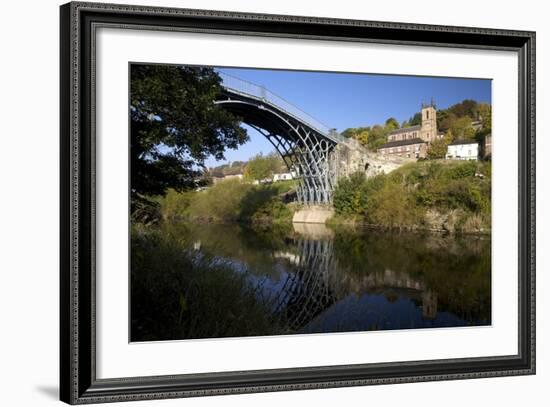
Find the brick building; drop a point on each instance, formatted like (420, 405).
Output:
(413, 142)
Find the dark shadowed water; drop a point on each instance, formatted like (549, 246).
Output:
(310, 279)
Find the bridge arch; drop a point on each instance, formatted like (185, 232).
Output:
(303, 143)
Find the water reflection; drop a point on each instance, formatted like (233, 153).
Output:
(310, 278)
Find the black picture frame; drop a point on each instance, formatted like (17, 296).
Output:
(78, 382)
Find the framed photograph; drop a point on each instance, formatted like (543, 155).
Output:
(254, 203)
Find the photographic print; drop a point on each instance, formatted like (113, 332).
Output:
(324, 188)
(275, 202)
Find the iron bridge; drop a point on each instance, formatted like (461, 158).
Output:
(304, 143)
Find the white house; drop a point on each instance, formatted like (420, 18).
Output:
(216, 180)
(284, 176)
(462, 150)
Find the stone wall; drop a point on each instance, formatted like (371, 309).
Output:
(350, 156)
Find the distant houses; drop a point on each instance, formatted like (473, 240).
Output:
(218, 179)
(462, 150)
(284, 176)
(413, 142)
(470, 149)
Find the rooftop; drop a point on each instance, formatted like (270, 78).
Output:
(403, 143)
(460, 142)
(404, 130)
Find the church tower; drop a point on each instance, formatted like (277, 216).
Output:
(428, 129)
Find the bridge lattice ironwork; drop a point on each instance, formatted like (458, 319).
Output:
(304, 143)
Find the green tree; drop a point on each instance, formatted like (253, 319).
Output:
(175, 126)
(349, 132)
(467, 107)
(377, 137)
(363, 137)
(416, 119)
(391, 124)
(485, 113)
(349, 197)
(447, 122)
(261, 167)
(438, 148)
(469, 133)
(460, 127)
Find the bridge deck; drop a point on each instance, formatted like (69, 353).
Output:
(251, 90)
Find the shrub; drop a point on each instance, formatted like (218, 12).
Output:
(392, 206)
(463, 170)
(403, 197)
(230, 201)
(219, 203)
(175, 204)
(177, 294)
(273, 211)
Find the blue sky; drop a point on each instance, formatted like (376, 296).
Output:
(342, 100)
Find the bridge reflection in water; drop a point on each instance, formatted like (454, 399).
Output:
(315, 279)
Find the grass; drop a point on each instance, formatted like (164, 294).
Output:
(179, 294)
(231, 201)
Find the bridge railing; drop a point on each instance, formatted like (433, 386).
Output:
(248, 88)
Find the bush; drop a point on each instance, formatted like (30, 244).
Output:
(391, 206)
(273, 211)
(230, 201)
(464, 170)
(349, 197)
(178, 294)
(404, 197)
(175, 204)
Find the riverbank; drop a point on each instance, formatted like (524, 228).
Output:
(440, 196)
(443, 227)
(232, 201)
(436, 196)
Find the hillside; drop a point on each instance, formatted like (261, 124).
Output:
(450, 196)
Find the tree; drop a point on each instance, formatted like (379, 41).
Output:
(391, 124)
(416, 119)
(445, 120)
(467, 107)
(469, 133)
(484, 110)
(349, 197)
(261, 167)
(363, 137)
(438, 148)
(460, 127)
(175, 126)
(348, 133)
(377, 137)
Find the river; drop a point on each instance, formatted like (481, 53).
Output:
(309, 278)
